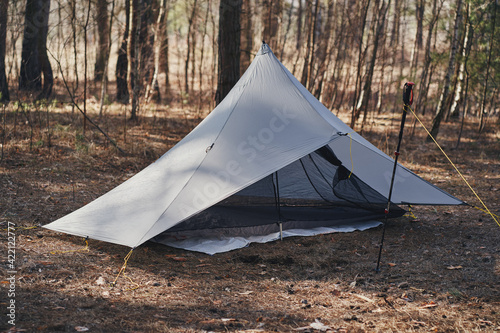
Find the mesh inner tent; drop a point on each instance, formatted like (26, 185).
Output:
(314, 191)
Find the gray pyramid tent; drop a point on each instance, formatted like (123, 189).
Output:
(269, 158)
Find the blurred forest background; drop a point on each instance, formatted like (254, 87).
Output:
(354, 56)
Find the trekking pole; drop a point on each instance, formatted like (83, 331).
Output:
(407, 100)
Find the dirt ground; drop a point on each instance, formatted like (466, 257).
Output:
(439, 273)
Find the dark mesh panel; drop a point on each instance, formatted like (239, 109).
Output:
(313, 191)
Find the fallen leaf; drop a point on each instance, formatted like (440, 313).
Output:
(428, 305)
(392, 264)
(363, 298)
(336, 292)
(179, 259)
(159, 316)
(454, 267)
(317, 325)
(245, 293)
(100, 281)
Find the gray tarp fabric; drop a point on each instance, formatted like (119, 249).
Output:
(271, 138)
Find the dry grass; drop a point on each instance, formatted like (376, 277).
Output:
(440, 273)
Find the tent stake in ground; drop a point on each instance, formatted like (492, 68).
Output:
(407, 101)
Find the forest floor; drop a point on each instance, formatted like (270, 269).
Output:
(440, 271)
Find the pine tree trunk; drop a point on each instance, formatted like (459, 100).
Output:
(189, 44)
(441, 108)
(324, 50)
(246, 36)
(420, 20)
(357, 86)
(310, 30)
(4, 87)
(229, 47)
(367, 87)
(427, 57)
(104, 80)
(467, 42)
(132, 61)
(312, 52)
(145, 49)
(122, 61)
(488, 66)
(34, 59)
(164, 54)
(298, 42)
(271, 21)
(102, 39)
(396, 23)
(153, 90)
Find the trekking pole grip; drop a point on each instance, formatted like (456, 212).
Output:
(408, 93)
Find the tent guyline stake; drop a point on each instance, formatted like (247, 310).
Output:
(407, 100)
(124, 266)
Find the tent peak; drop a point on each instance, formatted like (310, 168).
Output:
(264, 48)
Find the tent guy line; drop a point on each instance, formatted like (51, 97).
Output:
(486, 209)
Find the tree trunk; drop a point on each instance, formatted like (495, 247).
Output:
(287, 30)
(427, 56)
(75, 51)
(34, 59)
(488, 66)
(132, 57)
(246, 36)
(420, 20)
(271, 21)
(164, 54)
(298, 42)
(338, 44)
(104, 80)
(122, 95)
(202, 57)
(357, 86)
(145, 43)
(396, 23)
(467, 42)
(102, 39)
(440, 110)
(189, 37)
(324, 50)
(153, 90)
(310, 30)
(312, 53)
(367, 87)
(229, 47)
(4, 87)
